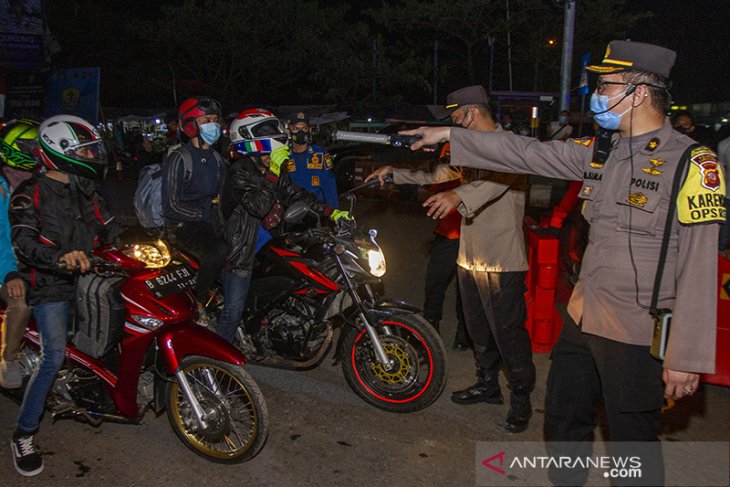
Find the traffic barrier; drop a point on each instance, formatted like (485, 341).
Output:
(722, 362)
(543, 320)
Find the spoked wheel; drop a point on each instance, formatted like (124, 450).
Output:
(233, 408)
(416, 375)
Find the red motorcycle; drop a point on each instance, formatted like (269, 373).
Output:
(135, 347)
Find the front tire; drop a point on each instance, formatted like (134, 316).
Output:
(418, 375)
(234, 407)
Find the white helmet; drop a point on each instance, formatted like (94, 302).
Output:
(257, 131)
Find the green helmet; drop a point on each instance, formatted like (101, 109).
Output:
(18, 138)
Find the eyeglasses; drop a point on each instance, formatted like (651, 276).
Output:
(601, 85)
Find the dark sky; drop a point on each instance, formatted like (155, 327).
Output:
(699, 30)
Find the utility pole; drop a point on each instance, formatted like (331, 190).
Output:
(568, 29)
(435, 71)
(490, 41)
(509, 49)
(375, 67)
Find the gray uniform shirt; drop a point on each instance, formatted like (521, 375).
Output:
(626, 203)
(493, 208)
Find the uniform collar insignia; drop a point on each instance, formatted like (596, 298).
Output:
(652, 145)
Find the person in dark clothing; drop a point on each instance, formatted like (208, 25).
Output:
(57, 216)
(188, 197)
(254, 197)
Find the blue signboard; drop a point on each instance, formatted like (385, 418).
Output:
(583, 85)
(74, 91)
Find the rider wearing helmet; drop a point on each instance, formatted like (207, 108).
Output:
(190, 190)
(58, 216)
(253, 200)
(17, 140)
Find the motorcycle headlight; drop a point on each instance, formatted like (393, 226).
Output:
(154, 255)
(147, 321)
(376, 261)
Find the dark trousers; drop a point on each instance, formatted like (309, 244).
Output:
(440, 271)
(494, 308)
(200, 240)
(586, 368)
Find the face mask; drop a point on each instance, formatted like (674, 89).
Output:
(210, 133)
(681, 129)
(603, 115)
(300, 137)
(562, 119)
(466, 125)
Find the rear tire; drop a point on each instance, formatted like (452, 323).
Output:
(418, 376)
(238, 421)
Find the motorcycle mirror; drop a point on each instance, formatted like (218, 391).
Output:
(295, 213)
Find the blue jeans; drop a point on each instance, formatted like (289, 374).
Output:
(52, 322)
(235, 290)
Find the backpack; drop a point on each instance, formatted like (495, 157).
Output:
(148, 196)
(99, 314)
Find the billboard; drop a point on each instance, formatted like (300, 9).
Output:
(74, 91)
(21, 33)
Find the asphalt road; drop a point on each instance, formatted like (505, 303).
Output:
(321, 433)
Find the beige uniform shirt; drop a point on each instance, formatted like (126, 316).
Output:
(626, 201)
(493, 209)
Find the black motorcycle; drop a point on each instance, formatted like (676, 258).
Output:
(306, 284)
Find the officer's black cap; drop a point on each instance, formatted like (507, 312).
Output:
(635, 56)
(299, 117)
(470, 95)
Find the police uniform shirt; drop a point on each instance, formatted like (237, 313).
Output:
(626, 201)
(312, 170)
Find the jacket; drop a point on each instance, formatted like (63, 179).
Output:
(248, 197)
(625, 200)
(189, 197)
(8, 262)
(49, 219)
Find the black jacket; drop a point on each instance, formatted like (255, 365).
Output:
(49, 219)
(247, 199)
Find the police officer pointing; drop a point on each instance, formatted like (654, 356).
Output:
(311, 165)
(626, 197)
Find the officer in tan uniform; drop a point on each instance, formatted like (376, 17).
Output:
(492, 262)
(625, 199)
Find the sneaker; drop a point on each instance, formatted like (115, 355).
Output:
(11, 374)
(27, 460)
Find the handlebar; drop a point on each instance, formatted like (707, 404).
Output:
(388, 178)
(97, 265)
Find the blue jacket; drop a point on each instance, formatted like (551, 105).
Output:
(8, 263)
(189, 197)
(312, 170)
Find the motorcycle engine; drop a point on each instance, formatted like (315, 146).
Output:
(295, 335)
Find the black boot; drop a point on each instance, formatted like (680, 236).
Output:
(485, 390)
(520, 411)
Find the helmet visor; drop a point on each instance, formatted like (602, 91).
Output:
(93, 151)
(265, 128)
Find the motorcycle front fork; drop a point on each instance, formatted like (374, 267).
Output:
(380, 353)
(200, 415)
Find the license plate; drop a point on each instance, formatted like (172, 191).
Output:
(171, 281)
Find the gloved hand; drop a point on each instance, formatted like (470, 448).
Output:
(339, 214)
(278, 157)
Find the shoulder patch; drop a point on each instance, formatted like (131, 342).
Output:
(291, 166)
(586, 141)
(327, 161)
(702, 196)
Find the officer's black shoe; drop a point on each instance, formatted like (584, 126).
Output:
(519, 414)
(485, 390)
